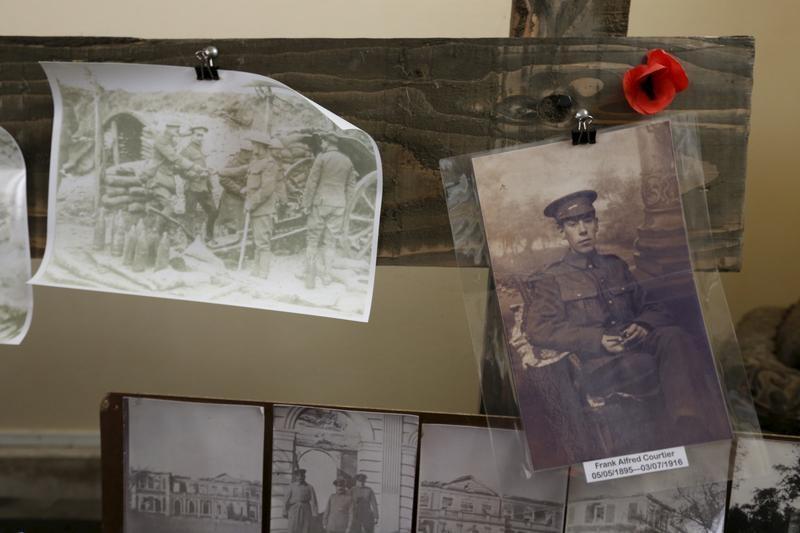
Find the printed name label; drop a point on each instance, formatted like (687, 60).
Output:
(635, 464)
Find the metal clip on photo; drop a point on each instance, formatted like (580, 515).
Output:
(206, 70)
(584, 133)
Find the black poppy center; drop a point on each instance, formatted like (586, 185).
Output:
(649, 88)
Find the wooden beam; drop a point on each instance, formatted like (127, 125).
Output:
(427, 99)
(569, 18)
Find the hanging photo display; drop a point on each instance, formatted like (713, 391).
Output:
(16, 296)
(475, 479)
(192, 466)
(238, 191)
(605, 333)
(342, 471)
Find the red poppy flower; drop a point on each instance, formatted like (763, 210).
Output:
(651, 86)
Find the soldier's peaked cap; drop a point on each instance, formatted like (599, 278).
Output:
(572, 205)
(300, 471)
(361, 477)
(193, 128)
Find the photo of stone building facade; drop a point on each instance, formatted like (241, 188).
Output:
(636, 514)
(465, 505)
(193, 467)
(476, 480)
(331, 444)
(219, 498)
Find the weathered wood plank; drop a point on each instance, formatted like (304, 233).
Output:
(427, 99)
(569, 18)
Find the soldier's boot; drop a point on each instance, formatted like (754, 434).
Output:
(264, 261)
(311, 268)
(327, 262)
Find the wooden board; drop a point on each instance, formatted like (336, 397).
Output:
(113, 431)
(427, 99)
(568, 18)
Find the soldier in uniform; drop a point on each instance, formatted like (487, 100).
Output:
(159, 172)
(198, 190)
(300, 504)
(590, 304)
(365, 506)
(329, 182)
(230, 215)
(264, 189)
(338, 517)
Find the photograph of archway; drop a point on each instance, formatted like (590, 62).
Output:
(342, 471)
(193, 467)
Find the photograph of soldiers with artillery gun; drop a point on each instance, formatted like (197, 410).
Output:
(246, 196)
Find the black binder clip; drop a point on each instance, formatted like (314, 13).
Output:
(584, 133)
(206, 70)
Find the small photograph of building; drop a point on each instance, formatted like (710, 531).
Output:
(474, 480)
(684, 500)
(342, 471)
(640, 514)
(223, 497)
(193, 467)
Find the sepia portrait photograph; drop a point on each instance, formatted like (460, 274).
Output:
(475, 480)
(342, 471)
(589, 254)
(16, 296)
(192, 467)
(684, 500)
(238, 192)
(765, 492)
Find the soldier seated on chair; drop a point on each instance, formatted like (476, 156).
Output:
(589, 303)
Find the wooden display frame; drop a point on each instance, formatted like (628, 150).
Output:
(113, 442)
(423, 100)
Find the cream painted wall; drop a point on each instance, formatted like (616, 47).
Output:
(416, 351)
(771, 271)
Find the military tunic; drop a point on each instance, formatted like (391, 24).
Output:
(230, 214)
(300, 507)
(263, 189)
(581, 298)
(159, 174)
(339, 513)
(365, 509)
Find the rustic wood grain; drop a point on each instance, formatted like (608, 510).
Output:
(427, 99)
(569, 18)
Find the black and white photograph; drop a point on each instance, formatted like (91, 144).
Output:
(342, 471)
(240, 192)
(684, 500)
(476, 480)
(193, 467)
(16, 296)
(589, 254)
(765, 492)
